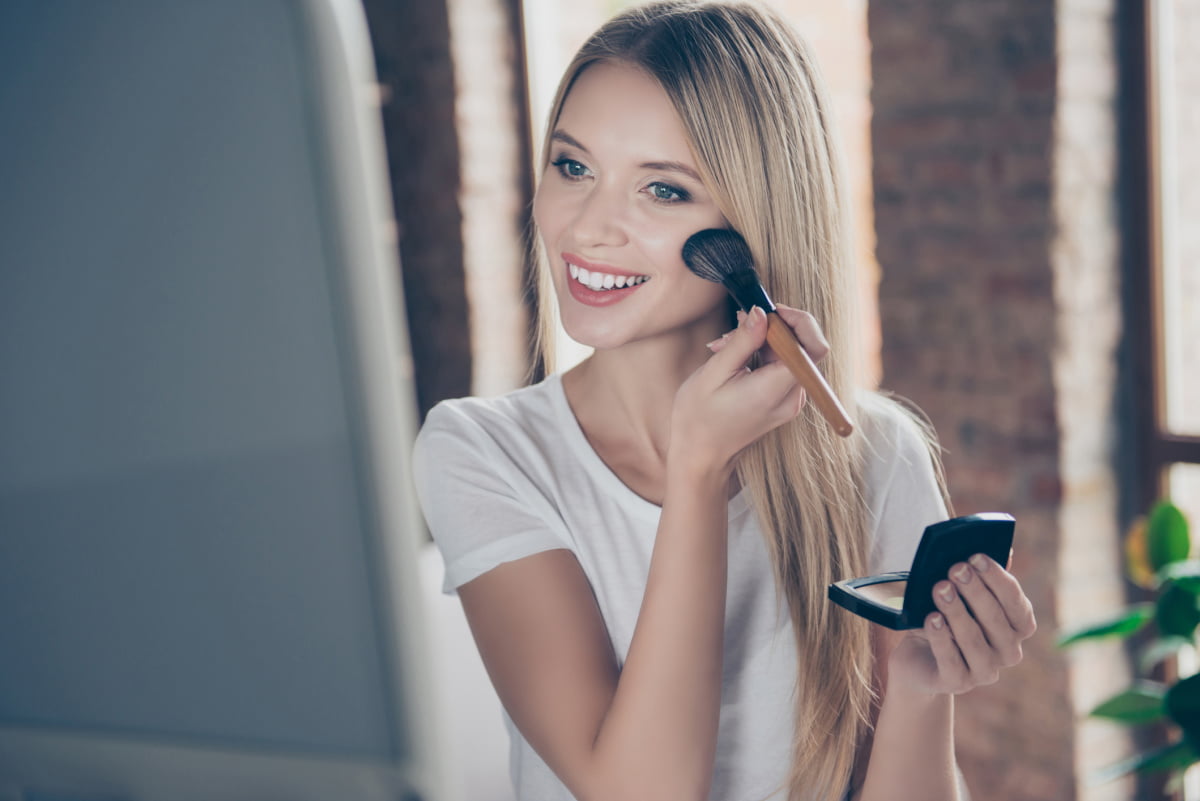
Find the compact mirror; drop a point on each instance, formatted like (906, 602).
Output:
(904, 599)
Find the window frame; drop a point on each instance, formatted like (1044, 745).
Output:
(1158, 448)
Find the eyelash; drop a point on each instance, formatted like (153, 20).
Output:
(563, 164)
(681, 195)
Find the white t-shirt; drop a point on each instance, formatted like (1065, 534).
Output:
(504, 478)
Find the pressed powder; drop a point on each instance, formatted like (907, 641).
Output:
(903, 600)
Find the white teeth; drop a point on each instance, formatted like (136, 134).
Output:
(597, 281)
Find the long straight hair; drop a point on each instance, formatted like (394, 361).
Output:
(756, 113)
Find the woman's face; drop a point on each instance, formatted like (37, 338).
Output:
(620, 197)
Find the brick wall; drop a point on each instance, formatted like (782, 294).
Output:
(492, 125)
(416, 74)
(994, 149)
(455, 126)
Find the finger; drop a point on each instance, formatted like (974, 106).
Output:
(952, 670)
(1008, 593)
(717, 344)
(764, 354)
(988, 613)
(776, 385)
(807, 330)
(747, 338)
(976, 652)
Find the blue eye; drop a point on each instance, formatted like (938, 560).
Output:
(666, 193)
(569, 168)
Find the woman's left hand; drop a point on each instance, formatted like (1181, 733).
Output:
(983, 617)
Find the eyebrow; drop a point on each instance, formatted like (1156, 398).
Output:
(666, 166)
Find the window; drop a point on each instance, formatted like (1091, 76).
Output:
(1164, 197)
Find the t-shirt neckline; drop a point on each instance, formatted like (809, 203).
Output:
(600, 471)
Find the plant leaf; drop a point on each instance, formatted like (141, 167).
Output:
(1185, 575)
(1141, 703)
(1167, 538)
(1160, 649)
(1137, 558)
(1177, 612)
(1183, 705)
(1170, 757)
(1126, 622)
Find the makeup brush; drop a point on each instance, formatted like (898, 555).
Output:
(722, 256)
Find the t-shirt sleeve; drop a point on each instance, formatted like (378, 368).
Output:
(480, 508)
(903, 495)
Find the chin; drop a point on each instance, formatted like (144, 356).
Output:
(598, 339)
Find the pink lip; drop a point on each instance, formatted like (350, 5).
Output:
(593, 266)
(592, 297)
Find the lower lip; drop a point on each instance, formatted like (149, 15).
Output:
(602, 297)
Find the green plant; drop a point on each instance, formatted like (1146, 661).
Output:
(1157, 555)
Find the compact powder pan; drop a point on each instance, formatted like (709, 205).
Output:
(904, 599)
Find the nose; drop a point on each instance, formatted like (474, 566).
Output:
(600, 218)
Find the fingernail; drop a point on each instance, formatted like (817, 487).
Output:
(718, 341)
(946, 590)
(937, 621)
(961, 573)
(980, 562)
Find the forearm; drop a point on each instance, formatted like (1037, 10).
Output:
(658, 739)
(912, 755)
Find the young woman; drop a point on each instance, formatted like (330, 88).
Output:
(642, 543)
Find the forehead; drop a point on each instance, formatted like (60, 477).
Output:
(617, 107)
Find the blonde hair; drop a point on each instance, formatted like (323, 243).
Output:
(754, 108)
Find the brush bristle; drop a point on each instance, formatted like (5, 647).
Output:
(717, 253)
(721, 255)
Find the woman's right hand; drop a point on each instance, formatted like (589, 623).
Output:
(725, 406)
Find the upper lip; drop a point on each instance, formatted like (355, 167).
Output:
(596, 267)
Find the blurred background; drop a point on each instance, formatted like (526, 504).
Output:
(1026, 187)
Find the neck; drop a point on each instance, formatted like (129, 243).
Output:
(627, 393)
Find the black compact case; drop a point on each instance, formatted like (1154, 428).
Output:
(880, 598)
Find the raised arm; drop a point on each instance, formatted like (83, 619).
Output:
(983, 617)
(649, 729)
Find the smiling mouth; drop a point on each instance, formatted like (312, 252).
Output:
(598, 281)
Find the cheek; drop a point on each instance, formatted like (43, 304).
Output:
(547, 222)
(664, 231)
(662, 239)
(554, 206)
(543, 217)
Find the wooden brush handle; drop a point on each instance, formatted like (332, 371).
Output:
(783, 341)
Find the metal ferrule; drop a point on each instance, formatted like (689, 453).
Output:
(747, 291)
